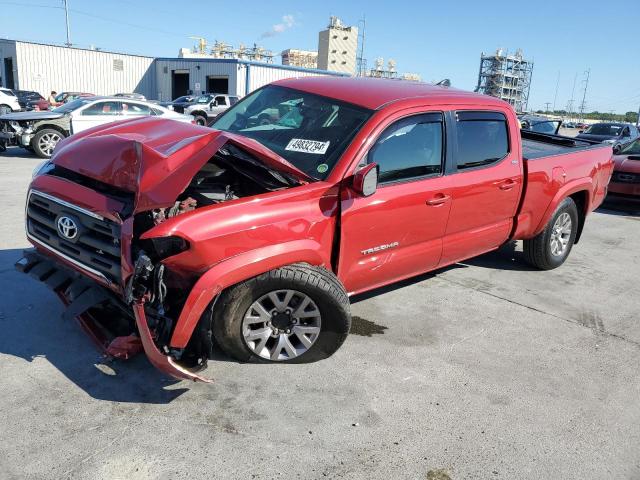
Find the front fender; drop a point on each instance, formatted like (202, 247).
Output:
(578, 185)
(235, 270)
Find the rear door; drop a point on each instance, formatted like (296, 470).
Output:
(397, 232)
(98, 113)
(218, 105)
(486, 175)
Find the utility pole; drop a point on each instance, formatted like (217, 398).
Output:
(573, 90)
(66, 17)
(638, 120)
(555, 97)
(547, 105)
(583, 105)
(362, 63)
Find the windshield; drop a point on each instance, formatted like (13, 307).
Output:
(307, 130)
(71, 106)
(604, 129)
(204, 98)
(632, 149)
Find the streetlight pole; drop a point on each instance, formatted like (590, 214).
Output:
(66, 17)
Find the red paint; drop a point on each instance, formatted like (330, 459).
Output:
(414, 226)
(630, 165)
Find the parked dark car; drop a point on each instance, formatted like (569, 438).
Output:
(539, 124)
(66, 97)
(30, 100)
(618, 135)
(180, 103)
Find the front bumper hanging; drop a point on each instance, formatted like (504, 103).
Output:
(82, 296)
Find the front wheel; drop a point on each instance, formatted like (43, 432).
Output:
(200, 120)
(551, 247)
(45, 141)
(294, 314)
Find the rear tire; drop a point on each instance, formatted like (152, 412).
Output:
(551, 247)
(308, 320)
(45, 141)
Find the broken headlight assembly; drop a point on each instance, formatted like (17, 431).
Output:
(163, 247)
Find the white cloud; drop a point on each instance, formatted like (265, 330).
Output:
(288, 21)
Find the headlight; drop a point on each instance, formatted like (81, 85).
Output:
(163, 247)
(42, 167)
(609, 141)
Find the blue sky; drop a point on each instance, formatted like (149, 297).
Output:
(437, 39)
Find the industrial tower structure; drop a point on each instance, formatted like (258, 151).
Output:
(507, 77)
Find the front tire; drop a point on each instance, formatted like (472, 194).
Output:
(294, 314)
(200, 120)
(45, 141)
(551, 247)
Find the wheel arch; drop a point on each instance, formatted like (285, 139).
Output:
(201, 113)
(580, 191)
(235, 270)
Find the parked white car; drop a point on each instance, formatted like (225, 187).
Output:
(41, 131)
(8, 101)
(209, 106)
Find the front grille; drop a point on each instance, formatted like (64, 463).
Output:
(94, 247)
(624, 177)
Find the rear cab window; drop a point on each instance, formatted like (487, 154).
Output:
(482, 139)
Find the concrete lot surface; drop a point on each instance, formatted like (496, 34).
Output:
(487, 370)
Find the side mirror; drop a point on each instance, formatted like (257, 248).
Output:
(365, 180)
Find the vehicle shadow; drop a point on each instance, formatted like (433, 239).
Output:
(31, 328)
(620, 207)
(18, 152)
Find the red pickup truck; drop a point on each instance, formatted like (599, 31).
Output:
(252, 235)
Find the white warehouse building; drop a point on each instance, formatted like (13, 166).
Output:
(44, 68)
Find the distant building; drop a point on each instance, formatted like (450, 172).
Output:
(43, 68)
(507, 77)
(337, 47)
(300, 58)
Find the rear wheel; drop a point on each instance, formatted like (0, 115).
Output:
(552, 246)
(294, 314)
(45, 141)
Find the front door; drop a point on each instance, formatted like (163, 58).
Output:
(486, 178)
(397, 232)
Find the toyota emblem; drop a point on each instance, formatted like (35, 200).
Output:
(67, 228)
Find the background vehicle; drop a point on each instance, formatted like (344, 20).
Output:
(180, 103)
(66, 97)
(41, 131)
(618, 135)
(30, 100)
(209, 106)
(135, 96)
(8, 101)
(539, 124)
(625, 181)
(256, 234)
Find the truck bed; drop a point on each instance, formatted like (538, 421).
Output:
(536, 145)
(550, 162)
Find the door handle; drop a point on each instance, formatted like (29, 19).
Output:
(438, 200)
(507, 184)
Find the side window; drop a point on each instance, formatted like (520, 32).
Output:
(482, 138)
(409, 148)
(233, 100)
(625, 132)
(102, 108)
(156, 111)
(129, 108)
(220, 101)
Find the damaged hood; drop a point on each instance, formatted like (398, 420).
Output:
(33, 115)
(154, 158)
